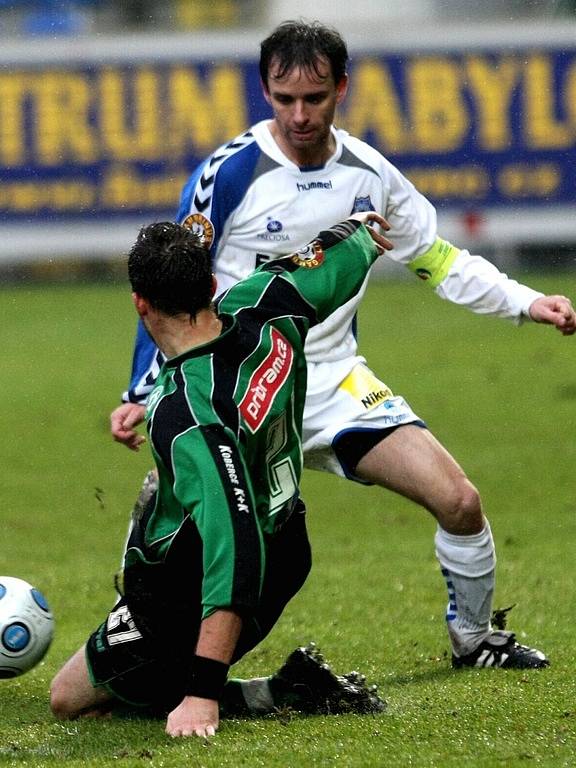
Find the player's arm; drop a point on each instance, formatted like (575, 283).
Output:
(211, 481)
(317, 279)
(198, 713)
(146, 363)
(457, 275)
(475, 283)
(333, 268)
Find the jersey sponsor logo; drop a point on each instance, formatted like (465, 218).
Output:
(266, 381)
(313, 185)
(274, 232)
(226, 453)
(240, 494)
(362, 204)
(276, 237)
(201, 226)
(310, 257)
(375, 398)
(365, 387)
(274, 225)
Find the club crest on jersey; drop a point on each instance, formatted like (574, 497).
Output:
(362, 204)
(311, 256)
(266, 381)
(201, 226)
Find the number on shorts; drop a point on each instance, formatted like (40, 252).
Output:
(120, 627)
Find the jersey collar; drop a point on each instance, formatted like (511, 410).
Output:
(261, 132)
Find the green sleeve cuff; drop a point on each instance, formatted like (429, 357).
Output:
(435, 263)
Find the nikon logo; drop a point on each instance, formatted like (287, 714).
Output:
(374, 398)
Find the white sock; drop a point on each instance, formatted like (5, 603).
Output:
(468, 564)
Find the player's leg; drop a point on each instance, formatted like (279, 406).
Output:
(355, 427)
(120, 669)
(72, 693)
(305, 683)
(288, 563)
(411, 462)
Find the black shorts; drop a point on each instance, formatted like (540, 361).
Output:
(149, 671)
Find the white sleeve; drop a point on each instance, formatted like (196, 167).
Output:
(456, 275)
(474, 282)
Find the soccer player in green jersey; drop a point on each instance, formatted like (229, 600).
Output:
(214, 557)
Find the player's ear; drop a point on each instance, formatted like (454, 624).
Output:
(341, 88)
(142, 306)
(214, 285)
(266, 92)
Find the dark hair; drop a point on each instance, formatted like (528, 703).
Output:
(170, 267)
(303, 44)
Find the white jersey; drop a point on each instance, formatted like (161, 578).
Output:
(252, 204)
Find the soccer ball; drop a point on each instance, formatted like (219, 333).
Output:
(26, 626)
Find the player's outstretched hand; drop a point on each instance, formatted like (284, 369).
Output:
(370, 218)
(554, 310)
(193, 717)
(124, 420)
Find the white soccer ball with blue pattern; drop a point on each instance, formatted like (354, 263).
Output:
(26, 626)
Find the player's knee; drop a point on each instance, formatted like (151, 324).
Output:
(61, 703)
(462, 513)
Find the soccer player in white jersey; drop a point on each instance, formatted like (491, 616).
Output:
(266, 193)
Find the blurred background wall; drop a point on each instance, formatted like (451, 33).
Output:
(106, 107)
(25, 17)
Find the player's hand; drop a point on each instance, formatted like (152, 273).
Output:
(369, 218)
(124, 420)
(193, 717)
(554, 310)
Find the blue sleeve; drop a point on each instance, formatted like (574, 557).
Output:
(190, 199)
(146, 362)
(218, 186)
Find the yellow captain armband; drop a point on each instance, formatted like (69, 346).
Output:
(435, 263)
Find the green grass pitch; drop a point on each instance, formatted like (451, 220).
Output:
(501, 399)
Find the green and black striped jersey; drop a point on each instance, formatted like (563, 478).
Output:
(224, 419)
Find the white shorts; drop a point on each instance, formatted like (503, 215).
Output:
(341, 397)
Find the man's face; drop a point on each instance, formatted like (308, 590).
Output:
(304, 106)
